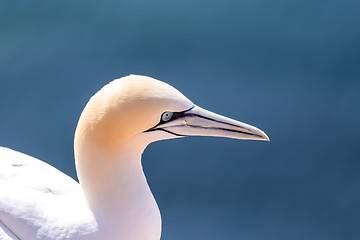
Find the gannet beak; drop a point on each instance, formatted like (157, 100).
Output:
(200, 122)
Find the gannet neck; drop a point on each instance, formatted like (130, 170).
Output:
(116, 189)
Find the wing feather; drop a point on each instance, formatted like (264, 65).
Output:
(34, 197)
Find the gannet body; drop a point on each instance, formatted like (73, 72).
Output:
(113, 199)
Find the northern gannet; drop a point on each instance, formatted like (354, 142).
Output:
(113, 199)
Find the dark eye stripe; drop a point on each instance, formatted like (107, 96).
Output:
(175, 115)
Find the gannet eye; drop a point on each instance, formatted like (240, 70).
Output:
(166, 116)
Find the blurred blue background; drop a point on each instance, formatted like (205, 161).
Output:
(291, 68)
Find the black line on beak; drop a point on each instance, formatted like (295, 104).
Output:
(164, 130)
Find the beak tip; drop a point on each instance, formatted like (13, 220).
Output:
(264, 136)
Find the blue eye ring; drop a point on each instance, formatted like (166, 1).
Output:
(166, 116)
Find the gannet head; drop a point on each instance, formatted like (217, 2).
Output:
(114, 128)
(149, 110)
